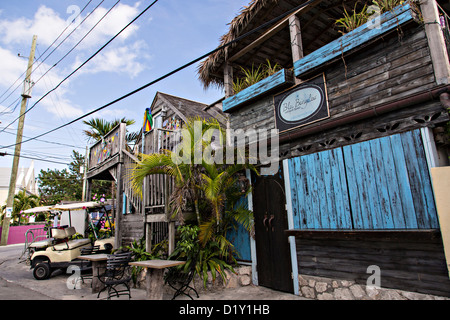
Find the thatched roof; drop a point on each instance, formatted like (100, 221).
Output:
(318, 28)
(237, 25)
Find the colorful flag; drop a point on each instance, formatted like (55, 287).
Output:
(148, 120)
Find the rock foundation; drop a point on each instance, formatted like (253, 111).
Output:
(330, 289)
(310, 287)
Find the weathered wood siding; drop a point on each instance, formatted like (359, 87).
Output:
(388, 21)
(377, 184)
(132, 228)
(280, 79)
(410, 262)
(319, 191)
(393, 67)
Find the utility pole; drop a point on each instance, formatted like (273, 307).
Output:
(12, 183)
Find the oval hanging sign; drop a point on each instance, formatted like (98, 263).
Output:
(301, 105)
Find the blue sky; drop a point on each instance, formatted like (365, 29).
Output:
(170, 34)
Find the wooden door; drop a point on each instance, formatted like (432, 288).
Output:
(272, 247)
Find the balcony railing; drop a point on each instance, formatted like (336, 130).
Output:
(158, 187)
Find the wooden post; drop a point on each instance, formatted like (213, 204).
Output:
(119, 189)
(296, 38)
(15, 165)
(436, 42)
(148, 235)
(228, 80)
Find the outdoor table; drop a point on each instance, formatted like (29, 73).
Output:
(98, 262)
(155, 273)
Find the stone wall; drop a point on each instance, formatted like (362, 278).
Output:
(242, 278)
(310, 287)
(320, 288)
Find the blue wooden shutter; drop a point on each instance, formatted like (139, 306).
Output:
(389, 183)
(377, 184)
(319, 191)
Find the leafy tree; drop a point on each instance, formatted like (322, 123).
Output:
(98, 128)
(207, 182)
(23, 201)
(58, 185)
(67, 184)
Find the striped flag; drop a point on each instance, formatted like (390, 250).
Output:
(148, 120)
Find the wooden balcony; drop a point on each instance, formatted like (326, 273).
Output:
(105, 154)
(157, 188)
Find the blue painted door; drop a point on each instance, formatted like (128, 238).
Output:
(240, 237)
(377, 184)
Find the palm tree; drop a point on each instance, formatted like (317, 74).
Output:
(186, 175)
(24, 201)
(99, 128)
(208, 181)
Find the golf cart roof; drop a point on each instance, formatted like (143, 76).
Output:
(77, 206)
(39, 209)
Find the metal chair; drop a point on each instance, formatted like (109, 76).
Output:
(86, 266)
(180, 281)
(117, 273)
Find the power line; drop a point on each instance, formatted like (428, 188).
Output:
(62, 32)
(54, 65)
(173, 71)
(85, 62)
(37, 159)
(50, 142)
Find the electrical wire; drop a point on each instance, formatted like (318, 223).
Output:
(37, 159)
(62, 32)
(70, 51)
(85, 62)
(237, 39)
(50, 142)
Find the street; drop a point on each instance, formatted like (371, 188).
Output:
(17, 283)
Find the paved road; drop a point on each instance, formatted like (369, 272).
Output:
(12, 291)
(17, 283)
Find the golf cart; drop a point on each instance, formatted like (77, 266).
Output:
(59, 251)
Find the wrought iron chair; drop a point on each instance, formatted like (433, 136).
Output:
(117, 273)
(180, 280)
(86, 266)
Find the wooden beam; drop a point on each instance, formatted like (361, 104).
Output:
(436, 41)
(269, 33)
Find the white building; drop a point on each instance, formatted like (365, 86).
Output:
(25, 181)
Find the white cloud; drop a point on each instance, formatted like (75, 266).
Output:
(125, 59)
(46, 23)
(11, 68)
(118, 18)
(120, 56)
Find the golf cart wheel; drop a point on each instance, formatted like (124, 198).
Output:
(41, 271)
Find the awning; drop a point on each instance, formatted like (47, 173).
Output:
(65, 207)
(77, 206)
(39, 209)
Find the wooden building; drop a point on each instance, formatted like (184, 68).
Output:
(112, 159)
(360, 117)
(169, 114)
